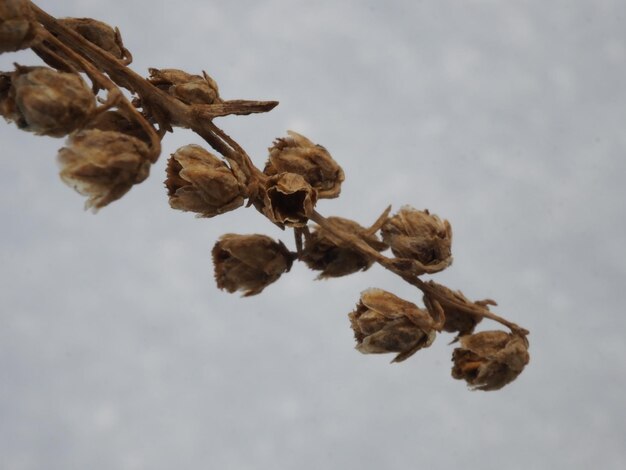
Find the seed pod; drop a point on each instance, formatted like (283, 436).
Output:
(297, 154)
(419, 236)
(47, 102)
(18, 28)
(118, 121)
(288, 200)
(323, 252)
(98, 33)
(456, 320)
(198, 181)
(191, 89)
(490, 359)
(103, 165)
(385, 323)
(249, 263)
(7, 105)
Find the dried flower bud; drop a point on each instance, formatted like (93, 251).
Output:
(103, 165)
(289, 200)
(249, 263)
(191, 89)
(297, 154)
(17, 25)
(457, 320)
(323, 252)
(419, 236)
(98, 33)
(200, 182)
(118, 121)
(490, 359)
(47, 102)
(385, 323)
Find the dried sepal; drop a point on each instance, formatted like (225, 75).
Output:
(489, 360)
(18, 28)
(457, 320)
(191, 89)
(45, 101)
(200, 182)
(249, 263)
(100, 34)
(333, 257)
(421, 237)
(297, 154)
(384, 323)
(288, 200)
(103, 165)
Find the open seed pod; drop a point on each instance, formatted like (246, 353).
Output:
(297, 154)
(385, 323)
(489, 360)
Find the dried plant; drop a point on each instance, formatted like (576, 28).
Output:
(112, 143)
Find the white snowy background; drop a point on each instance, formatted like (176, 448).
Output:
(508, 118)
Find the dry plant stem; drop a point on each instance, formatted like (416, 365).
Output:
(240, 156)
(42, 49)
(358, 244)
(379, 222)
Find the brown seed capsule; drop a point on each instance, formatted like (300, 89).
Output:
(17, 25)
(297, 154)
(323, 252)
(457, 320)
(288, 200)
(490, 359)
(118, 121)
(191, 89)
(198, 181)
(103, 165)
(419, 236)
(249, 263)
(385, 323)
(98, 33)
(47, 102)
(7, 105)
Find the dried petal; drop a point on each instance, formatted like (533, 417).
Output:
(289, 200)
(297, 154)
(18, 28)
(103, 165)
(47, 102)
(384, 323)
(323, 252)
(249, 263)
(419, 236)
(489, 360)
(191, 89)
(198, 181)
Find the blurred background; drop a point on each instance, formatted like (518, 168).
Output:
(508, 119)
